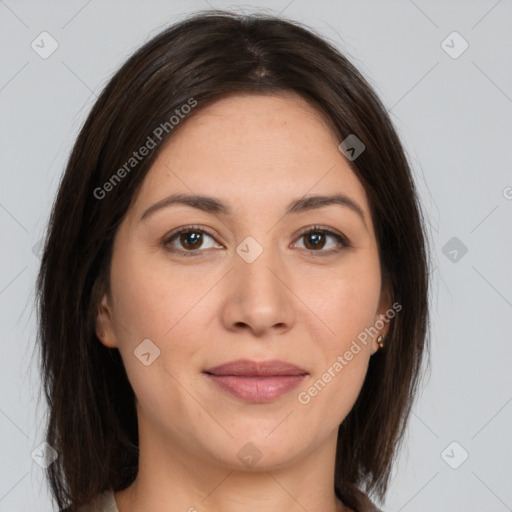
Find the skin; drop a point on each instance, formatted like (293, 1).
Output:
(256, 153)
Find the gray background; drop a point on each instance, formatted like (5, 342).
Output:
(453, 115)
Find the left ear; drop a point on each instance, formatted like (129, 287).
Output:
(382, 319)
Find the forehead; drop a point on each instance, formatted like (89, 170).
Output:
(255, 148)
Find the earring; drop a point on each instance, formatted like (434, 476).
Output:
(380, 341)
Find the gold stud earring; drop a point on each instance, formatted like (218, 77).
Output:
(380, 341)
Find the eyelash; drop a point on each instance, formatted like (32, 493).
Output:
(197, 252)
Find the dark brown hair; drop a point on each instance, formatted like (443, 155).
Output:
(92, 418)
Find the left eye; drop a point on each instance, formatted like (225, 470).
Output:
(315, 240)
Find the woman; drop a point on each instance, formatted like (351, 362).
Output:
(233, 297)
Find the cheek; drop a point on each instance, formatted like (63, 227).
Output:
(343, 305)
(157, 303)
(149, 300)
(149, 304)
(342, 357)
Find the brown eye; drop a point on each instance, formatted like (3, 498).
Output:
(316, 239)
(189, 239)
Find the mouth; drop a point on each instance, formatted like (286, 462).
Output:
(257, 382)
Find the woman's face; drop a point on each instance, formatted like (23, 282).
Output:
(245, 283)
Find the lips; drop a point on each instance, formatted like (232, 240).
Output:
(248, 368)
(256, 382)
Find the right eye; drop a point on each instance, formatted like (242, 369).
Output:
(191, 239)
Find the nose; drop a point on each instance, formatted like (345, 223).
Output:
(259, 297)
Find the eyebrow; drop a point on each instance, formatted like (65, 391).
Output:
(212, 205)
